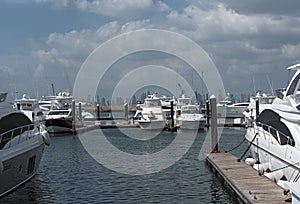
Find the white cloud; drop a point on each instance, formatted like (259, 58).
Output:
(39, 71)
(240, 41)
(291, 51)
(162, 6)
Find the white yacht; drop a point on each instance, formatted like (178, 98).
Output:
(187, 115)
(191, 118)
(228, 109)
(30, 107)
(152, 117)
(59, 117)
(21, 148)
(275, 135)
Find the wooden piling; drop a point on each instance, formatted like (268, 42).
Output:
(80, 112)
(214, 125)
(172, 115)
(98, 111)
(73, 118)
(126, 111)
(207, 114)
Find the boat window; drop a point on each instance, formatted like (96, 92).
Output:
(270, 121)
(12, 121)
(152, 103)
(58, 113)
(266, 100)
(293, 85)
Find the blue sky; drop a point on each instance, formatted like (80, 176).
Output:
(46, 41)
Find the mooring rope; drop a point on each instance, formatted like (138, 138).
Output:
(289, 165)
(247, 148)
(237, 145)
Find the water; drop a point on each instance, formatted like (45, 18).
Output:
(68, 174)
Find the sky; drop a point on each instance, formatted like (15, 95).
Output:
(45, 42)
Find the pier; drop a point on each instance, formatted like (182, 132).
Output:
(243, 181)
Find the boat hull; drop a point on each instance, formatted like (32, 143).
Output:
(19, 164)
(59, 125)
(273, 156)
(192, 124)
(151, 124)
(231, 112)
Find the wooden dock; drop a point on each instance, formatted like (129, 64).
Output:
(99, 126)
(244, 181)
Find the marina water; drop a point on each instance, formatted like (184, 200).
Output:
(68, 174)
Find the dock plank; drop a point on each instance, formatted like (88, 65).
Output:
(245, 181)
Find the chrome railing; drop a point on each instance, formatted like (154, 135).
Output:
(278, 135)
(17, 135)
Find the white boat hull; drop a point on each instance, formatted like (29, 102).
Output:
(151, 124)
(19, 164)
(230, 112)
(282, 159)
(192, 124)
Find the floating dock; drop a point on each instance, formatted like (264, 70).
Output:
(244, 181)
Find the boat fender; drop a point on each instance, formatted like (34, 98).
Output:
(258, 167)
(46, 137)
(282, 182)
(270, 175)
(250, 161)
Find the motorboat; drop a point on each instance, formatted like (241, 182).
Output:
(59, 118)
(152, 117)
(263, 101)
(187, 115)
(21, 148)
(190, 118)
(274, 136)
(30, 107)
(228, 109)
(59, 121)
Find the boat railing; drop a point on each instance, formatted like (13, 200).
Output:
(281, 137)
(17, 135)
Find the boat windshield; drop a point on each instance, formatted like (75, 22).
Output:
(268, 100)
(152, 103)
(189, 110)
(293, 88)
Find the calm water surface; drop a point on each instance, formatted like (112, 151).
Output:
(68, 174)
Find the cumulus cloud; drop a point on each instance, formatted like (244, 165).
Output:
(240, 39)
(291, 51)
(124, 9)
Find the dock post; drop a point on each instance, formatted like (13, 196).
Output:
(126, 111)
(73, 118)
(98, 112)
(80, 112)
(214, 128)
(207, 114)
(257, 107)
(172, 115)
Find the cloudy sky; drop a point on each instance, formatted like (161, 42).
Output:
(45, 42)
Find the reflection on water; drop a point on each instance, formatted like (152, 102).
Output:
(67, 174)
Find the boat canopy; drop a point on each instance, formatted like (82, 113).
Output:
(270, 121)
(294, 67)
(12, 120)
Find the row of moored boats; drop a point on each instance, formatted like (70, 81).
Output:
(157, 113)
